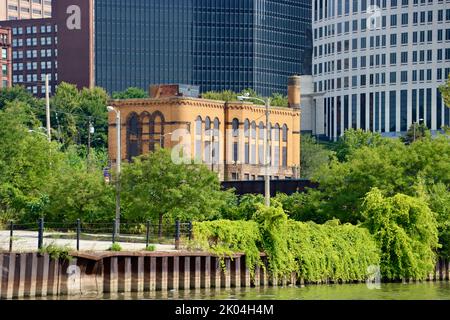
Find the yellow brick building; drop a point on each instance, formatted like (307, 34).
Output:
(227, 136)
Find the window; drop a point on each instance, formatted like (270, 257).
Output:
(235, 127)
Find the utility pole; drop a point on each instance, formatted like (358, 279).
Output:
(90, 131)
(118, 168)
(267, 157)
(47, 109)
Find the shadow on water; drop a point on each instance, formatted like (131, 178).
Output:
(396, 291)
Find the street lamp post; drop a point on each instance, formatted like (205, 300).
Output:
(118, 166)
(266, 102)
(415, 124)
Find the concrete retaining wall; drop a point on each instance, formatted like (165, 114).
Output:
(35, 275)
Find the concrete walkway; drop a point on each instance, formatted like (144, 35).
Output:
(27, 241)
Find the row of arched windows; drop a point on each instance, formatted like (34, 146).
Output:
(144, 133)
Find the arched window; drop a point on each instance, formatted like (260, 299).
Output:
(246, 128)
(198, 138)
(145, 120)
(261, 143)
(157, 130)
(235, 126)
(253, 130)
(207, 124)
(261, 131)
(285, 133)
(216, 149)
(208, 141)
(277, 132)
(253, 143)
(133, 136)
(198, 126)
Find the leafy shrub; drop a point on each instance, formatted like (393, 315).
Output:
(56, 252)
(116, 247)
(315, 252)
(225, 238)
(151, 248)
(406, 231)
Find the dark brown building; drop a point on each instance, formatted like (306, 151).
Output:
(61, 47)
(5, 57)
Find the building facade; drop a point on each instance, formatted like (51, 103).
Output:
(213, 44)
(5, 58)
(25, 9)
(60, 47)
(228, 137)
(378, 64)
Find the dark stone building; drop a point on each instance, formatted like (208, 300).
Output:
(213, 44)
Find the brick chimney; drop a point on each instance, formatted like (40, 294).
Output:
(294, 92)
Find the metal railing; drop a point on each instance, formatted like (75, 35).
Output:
(176, 234)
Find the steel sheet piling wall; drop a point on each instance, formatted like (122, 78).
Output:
(37, 275)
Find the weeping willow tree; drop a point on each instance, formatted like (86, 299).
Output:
(406, 231)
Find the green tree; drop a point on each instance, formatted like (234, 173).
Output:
(242, 208)
(75, 110)
(445, 91)
(306, 206)
(130, 93)
(93, 104)
(27, 163)
(154, 187)
(353, 140)
(313, 156)
(416, 132)
(79, 193)
(20, 94)
(406, 231)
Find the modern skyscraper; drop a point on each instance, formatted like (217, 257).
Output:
(214, 44)
(378, 64)
(25, 9)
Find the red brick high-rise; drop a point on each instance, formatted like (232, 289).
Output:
(5, 57)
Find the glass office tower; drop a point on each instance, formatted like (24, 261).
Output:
(378, 64)
(216, 44)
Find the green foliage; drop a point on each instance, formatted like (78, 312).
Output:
(79, 193)
(390, 166)
(225, 238)
(150, 248)
(313, 156)
(242, 208)
(445, 91)
(75, 109)
(226, 95)
(19, 94)
(416, 132)
(154, 186)
(130, 93)
(277, 100)
(26, 161)
(406, 231)
(314, 252)
(57, 252)
(115, 247)
(307, 206)
(438, 199)
(353, 140)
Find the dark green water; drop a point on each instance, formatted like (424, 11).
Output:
(413, 291)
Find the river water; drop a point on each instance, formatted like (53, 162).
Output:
(396, 291)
